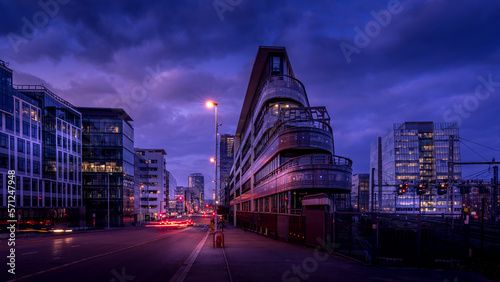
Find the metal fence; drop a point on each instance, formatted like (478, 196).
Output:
(397, 240)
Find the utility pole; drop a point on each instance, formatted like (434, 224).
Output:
(494, 185)
(451, 176)
(494, 193)
(380, 174)
(373, 190)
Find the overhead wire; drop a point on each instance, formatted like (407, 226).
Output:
(479, 144)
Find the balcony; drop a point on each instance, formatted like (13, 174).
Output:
(321, 171)
(282, 86)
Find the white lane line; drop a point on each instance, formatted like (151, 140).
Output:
(75, 246)
(30, 253)
(182, 272)
(227, 266)
(92, 257)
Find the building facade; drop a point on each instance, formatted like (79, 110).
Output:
(226, 161)
(180, 199)
(283, 147)
(108, 166)
(171, 185)
(415, 153)
(153, 180)
(196, 185)
(360, 192)
(33, 124)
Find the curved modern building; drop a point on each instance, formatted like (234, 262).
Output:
(283, 147)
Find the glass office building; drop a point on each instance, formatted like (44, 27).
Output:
(226, 161)
(415, 153)
(40, 138)
(108, 164)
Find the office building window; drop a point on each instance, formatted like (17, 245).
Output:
(21, 164)
(4, 161)
(4, 143)
(36, 150)
(26, 110)
(9, 123)
(28, 147)
(20, 145)
(33, 131)
(18, 126)
(36, 167)
(26, 129)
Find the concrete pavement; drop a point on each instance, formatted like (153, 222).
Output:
(248, 256)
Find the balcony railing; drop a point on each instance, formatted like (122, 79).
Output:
(313, 159)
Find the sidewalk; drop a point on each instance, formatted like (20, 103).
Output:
(254, 257)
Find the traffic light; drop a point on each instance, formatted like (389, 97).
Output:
(180, 198)
(422, 188)
(442, 189)
(402, 188)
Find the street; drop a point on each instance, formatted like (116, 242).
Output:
(139, 254)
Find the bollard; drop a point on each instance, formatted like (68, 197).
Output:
(219, 241)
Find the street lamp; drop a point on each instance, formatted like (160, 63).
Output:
(210, 105)
(109, 176)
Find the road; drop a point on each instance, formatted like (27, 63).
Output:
(139, 254)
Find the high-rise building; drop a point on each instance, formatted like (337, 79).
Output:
(47, 174)
(108, 166)
(226, 158)
(283, 147)
(171, 184)
(360, 192)
(180, 199)
(154, 197)
(413, 154)
(196, 184)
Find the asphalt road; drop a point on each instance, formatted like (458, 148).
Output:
(138, 254)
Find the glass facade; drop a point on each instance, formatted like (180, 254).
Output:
(416, 152)
(45, 191)
(226, 161)
(108, 163)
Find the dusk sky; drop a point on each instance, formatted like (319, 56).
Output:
(371, 63)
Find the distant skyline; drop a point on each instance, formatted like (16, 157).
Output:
(371, 63)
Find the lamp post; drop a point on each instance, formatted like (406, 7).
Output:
(140, 204)
(210, 105)
(109, 175)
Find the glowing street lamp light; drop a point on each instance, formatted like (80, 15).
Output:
(212, 160)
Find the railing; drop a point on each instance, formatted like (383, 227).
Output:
(283, 81)
(300, 117)
(313, 159)
(50, 93)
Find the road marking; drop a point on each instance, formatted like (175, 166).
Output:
(93, 257)
(227, 265)
(30, 253)
(75, 246)
(182, 272)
